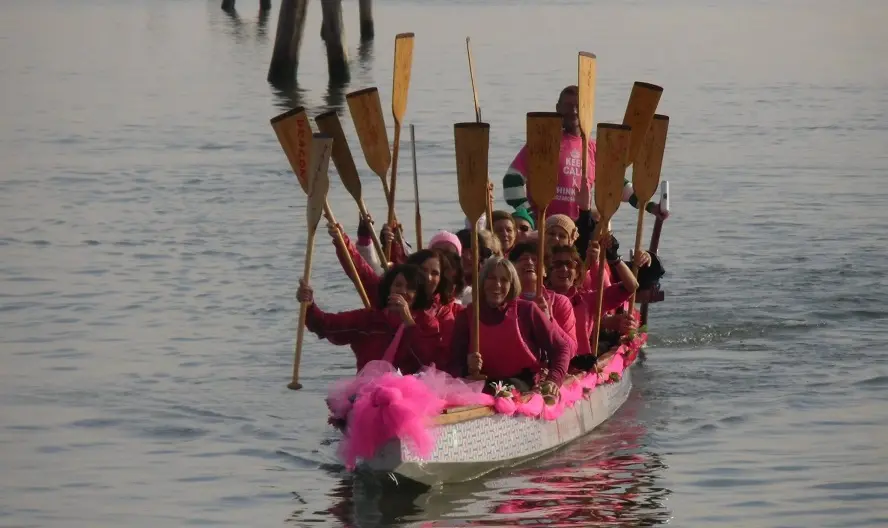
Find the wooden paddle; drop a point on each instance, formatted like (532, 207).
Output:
(586, 74)
(417, 217)
(646, 178)
(611, 152)
(400, 87)
(319, 184)
(472, 147)
(366, 112)
(544, 130)
(329, 124)
(489, 211)
(293, 130)
(640, 111)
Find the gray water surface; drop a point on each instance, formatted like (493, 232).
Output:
(152, 238)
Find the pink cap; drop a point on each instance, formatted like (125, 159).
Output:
(446, 237)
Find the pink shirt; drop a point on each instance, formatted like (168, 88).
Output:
(570, 167)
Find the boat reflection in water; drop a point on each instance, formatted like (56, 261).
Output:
(608, 478)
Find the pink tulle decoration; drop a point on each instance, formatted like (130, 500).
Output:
(589, 381)
(455, 391)
(572, 393)
(552, 412)
(532, 407)
(504, 406)
(615, 365)
(391, 407)
(340, 393)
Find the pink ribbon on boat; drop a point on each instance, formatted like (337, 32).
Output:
(392, 349)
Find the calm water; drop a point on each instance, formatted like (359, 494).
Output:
(152, 237)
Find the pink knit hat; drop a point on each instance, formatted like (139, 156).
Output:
(446, 237)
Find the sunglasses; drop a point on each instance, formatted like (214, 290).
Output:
(524, 228)
(569, 264)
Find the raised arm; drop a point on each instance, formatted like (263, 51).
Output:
(366, 273)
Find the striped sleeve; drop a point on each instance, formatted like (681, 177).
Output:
(514, 187)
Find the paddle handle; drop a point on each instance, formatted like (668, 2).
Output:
(472, 78)
(328, 213)
(639, 230)
(417, 216)
(476, 303)
(600, 282)
(377, 245)
(400, 232)
(396, 148)
(303, 311)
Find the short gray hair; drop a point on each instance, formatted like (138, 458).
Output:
(514, 282)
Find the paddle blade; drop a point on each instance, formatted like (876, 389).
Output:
(472, 145)
(586, 93)
(366, 112)
(640, 111)
(610, 166)
(329, 124)
(646, 169)
(319, 182)
(543, 152)
(293, 131)
(401, 74)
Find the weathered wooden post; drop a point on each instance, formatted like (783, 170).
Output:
(285, 57)
(366, 15)
(334, 40)
(264, 5)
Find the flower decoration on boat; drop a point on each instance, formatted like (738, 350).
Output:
(614, 377)
(503, 390)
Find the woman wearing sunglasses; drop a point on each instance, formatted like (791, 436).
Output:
(565, 276)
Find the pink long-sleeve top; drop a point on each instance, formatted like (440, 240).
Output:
(538, 332)
(369, 333)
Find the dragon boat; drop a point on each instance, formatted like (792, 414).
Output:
(458, 433)
(444, 440)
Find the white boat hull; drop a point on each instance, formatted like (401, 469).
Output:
(472, 448)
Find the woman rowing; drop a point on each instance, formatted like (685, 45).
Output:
(517, 339)
(556, 306)
(566, 271)
(401, 328)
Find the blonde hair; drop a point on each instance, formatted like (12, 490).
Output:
(486, 239)
(498, 261)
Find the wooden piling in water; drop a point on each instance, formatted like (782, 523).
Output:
(264, 5)
(333, 34)
(366, 16)
(285, 56)
(227, 5)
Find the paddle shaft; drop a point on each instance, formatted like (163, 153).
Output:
(417, 217)
(377, 245)
(396, 147)
(639, 231)
(541, 250)
(472, 78)
(600, 282)
(476, 300)
(352, 270)
(303, 309)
